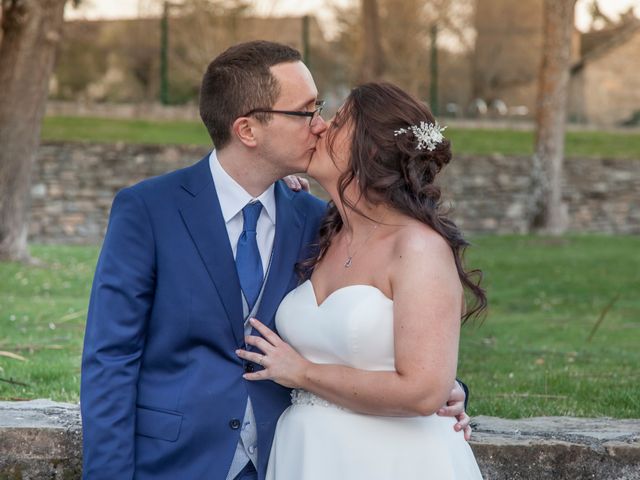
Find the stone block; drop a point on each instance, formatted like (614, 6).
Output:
(38, 190)
(550, 448)
(42, 439)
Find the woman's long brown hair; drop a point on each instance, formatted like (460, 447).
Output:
(390, 170)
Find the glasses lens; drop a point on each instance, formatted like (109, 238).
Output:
(317, 112)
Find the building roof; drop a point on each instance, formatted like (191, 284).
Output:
(597, 43)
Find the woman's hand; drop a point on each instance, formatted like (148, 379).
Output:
(281, 362)
(296, 183)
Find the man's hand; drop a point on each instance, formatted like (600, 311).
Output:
(296, 183)
(455, 408)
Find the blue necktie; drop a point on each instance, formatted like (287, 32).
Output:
(248, 261)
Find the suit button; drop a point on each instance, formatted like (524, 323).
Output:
(234, 424)
(249, 368)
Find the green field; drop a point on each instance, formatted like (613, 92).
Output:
(530, 357)
(464, 141)
(128, 131)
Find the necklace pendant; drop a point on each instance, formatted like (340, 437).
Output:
(347, 264)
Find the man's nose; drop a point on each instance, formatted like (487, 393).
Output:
(319, 125)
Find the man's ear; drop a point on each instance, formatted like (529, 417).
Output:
(243, 129)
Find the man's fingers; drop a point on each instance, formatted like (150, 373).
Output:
(463, 423)
(452, 410)
(463, 420)
(455, 402)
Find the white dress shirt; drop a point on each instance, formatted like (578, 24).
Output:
(233, 198)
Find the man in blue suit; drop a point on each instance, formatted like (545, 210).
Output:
(187, 258)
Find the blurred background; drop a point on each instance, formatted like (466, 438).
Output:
(470, 59)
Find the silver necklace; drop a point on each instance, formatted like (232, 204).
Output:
(350, 256)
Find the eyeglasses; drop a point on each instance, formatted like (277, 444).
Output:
(312, 115)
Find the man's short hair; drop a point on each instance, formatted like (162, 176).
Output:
(238, 81)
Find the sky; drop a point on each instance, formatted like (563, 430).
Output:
(94, 9)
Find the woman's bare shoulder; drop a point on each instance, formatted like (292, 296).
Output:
(417, 239)
(421, 255)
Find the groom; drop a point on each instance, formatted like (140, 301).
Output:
(186, 259)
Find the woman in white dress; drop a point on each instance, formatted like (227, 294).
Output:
(369, 342)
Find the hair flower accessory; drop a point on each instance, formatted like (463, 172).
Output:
(429, 135)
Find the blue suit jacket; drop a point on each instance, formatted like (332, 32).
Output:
(162, 393)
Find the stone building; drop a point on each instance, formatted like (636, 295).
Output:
(605, 82)
(507, 52)
(605, 75)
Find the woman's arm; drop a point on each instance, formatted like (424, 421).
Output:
(426, 296)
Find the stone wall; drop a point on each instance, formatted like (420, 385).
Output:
(74, 184)
(490, 194)
(41, 439)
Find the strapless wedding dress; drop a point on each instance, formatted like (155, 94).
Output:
(318, 440)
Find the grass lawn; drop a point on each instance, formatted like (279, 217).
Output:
(529, 357)
(128, 131)
(465, 141)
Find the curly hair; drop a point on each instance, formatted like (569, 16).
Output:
(390, 170)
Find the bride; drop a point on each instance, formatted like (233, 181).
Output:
(369, 342)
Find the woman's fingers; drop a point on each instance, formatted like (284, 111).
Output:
(254, 357)
(261, 375)
(257, 358)
(304, 184)
(265, 331)
(258, 342)
(293, 182)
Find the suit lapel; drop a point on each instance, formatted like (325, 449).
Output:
(200, 210)
(286, 245)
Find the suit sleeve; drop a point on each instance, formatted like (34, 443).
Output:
(119, 308)
(466, 393)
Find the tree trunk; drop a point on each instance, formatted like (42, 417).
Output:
(549, 213)
(373, 65)
(31, 31)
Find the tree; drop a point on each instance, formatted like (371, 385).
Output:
(373, 64)
(31, 32)
(405, 43)
(200, 30)
(548, 212)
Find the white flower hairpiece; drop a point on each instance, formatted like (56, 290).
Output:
(429, 135)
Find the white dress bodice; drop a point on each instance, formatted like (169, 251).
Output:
(353, 326)
(317, 440)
